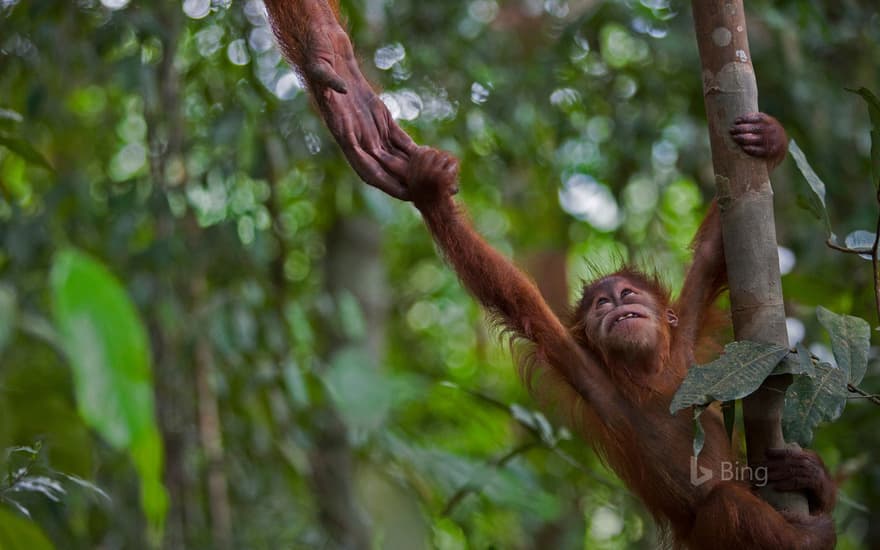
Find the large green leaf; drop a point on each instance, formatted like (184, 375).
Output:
(811, 400)
(850, 342)
(816, 201)
(106, 344)
(734, 375)
(18, 533)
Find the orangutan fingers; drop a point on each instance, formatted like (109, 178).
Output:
(747, 129)
(372, 173)
(753, 118)
(401, 140)
(748, 139)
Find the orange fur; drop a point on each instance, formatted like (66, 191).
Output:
(619, 402)
(294, 22)
(626, 420)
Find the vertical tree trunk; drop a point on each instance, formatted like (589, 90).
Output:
(161, 85)
(749, 231)
(353, 264)
(211, 434)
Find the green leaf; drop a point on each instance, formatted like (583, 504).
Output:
(447, 535)
(8, 314)
(850, 342)
(810, 401)
(88, 485)
(360, 391)
(107, 345)
(24, 149)
(816, 201)
(9, 117)
(535, 420)
(805, 360)
(105, 341)
(873, 104)
(504, 484)
(17, 533)
(874, 112)
(514, 489)
(861, 241)
(796, 363)
(734, 375)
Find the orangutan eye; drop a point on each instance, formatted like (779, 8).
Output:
(625, 292)
(602, 301)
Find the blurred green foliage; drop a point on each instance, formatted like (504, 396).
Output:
(301, 325)
(106, 346)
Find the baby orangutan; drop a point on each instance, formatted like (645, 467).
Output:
(617, 362)
(624, 353)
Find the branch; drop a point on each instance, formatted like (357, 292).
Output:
(535, 433)
(745, 199)
(862, 394)
(833, 245)
(498, 463)
(875, 258)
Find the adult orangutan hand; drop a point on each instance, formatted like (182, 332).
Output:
(315, 42)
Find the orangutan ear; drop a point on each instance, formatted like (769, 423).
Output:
(671, 318)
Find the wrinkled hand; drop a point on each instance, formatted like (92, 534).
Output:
(801, 470)
(373, 143)
(762, 136)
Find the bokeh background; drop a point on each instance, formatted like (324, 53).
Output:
(319, 378)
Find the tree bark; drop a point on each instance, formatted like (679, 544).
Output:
(749, 231)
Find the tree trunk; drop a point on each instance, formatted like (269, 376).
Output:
(749, 232)
(211, 434)
(353, 265)
(161, 86)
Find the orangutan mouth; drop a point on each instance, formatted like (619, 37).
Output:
(626, 316)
